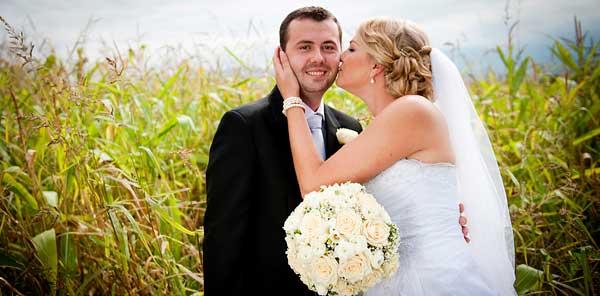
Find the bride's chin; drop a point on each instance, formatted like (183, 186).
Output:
(341, 85)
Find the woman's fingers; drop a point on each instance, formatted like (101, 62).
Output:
(285, 63)
(276, 61)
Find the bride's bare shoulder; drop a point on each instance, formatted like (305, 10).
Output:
(412, 107)
(414, 101)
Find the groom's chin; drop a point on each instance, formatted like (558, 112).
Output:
(316, 86)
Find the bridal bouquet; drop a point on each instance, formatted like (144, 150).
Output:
(340, 241)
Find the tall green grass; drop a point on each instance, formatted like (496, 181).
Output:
(103, 186)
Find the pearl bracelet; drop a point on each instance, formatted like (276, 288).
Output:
(292, 102)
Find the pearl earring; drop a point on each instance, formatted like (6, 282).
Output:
(372, 80)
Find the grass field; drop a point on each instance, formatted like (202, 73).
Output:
(102, 167)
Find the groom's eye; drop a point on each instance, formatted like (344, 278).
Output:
(304, 47)
(329, 47)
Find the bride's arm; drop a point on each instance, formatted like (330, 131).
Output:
(393, 135)
(398, 131)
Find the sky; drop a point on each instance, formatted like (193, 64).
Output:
(209, 31)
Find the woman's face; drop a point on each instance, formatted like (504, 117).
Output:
(355, 68)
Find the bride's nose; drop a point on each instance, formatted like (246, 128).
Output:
(343, 55)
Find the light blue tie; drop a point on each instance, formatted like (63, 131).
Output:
(315, 122)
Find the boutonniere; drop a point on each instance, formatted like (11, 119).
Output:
(345, 135)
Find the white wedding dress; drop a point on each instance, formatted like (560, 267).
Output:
(422, 201)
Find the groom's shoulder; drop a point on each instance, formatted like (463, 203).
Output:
(252, 109)
(339, 114)
(343, 117)
(249, 112)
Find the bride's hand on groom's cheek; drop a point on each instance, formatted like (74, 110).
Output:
(285, 77)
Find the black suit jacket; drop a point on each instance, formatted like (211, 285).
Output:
(251, 189)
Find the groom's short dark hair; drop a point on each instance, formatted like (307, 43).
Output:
(315, 13)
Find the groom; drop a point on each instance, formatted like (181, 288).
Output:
(250, 179)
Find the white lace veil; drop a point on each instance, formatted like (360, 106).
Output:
(479, 182)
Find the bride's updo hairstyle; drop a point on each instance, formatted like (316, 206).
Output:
(402, 48)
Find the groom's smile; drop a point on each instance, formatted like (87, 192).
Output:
(314, 73)
(318, 73)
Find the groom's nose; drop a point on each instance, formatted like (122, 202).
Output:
(317, 57)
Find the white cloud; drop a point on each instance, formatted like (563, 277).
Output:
(209, 26)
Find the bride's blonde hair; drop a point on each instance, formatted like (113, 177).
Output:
(402, 48)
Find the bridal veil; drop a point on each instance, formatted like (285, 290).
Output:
(479, 183)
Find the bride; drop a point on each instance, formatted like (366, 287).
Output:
(424, 148)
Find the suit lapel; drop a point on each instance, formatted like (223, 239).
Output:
(284, 160)
(331, 125)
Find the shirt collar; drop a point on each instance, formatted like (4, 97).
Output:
(309, 111)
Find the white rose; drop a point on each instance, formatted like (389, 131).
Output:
(371, 279)
(376, 232)
(365, 198)
(290, 242)
(354, 268)
(324, 272)
(353, 189)
(331, 196)
(385, 216)
(350, 246)
(317, 246)
(300, 238)
(344, 250)
(345, 135)
(305, 253)
(348, 222)
(321, 289)
(369, 207)
(312, 200)
(391, 265)
(293, 261)
(292, 222)
(343, 288)
(375, 258)
(360, 242)
(313, 225)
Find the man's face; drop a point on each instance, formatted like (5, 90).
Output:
(313, 49)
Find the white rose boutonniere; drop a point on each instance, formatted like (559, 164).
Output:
(345, 135)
